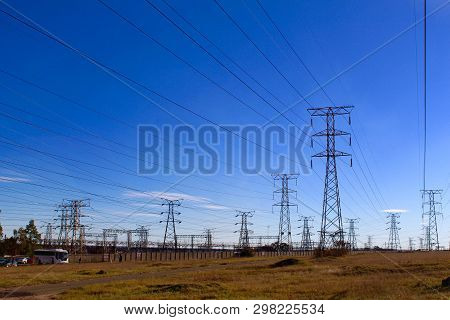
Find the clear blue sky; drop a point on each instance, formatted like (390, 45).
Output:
(328, 35)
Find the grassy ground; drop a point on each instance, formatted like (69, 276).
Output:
(416, 275)
(48, 274)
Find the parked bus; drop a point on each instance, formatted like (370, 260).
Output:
(51, 256)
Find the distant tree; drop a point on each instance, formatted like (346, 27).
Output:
(29, 238)
(23, 241)
(1, 232)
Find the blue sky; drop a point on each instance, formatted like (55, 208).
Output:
(387, 120)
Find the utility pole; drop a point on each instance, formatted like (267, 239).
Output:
(170, 234)
(331, 231)
(429, 213)
(244, 232)
(411, 244)
(284, 229)
(306, 243)
(351, 240)
(394, 240)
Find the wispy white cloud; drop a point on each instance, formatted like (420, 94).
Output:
(201, 202)
(395, 210)
(13, 179)
(215, 207)
(167, 195)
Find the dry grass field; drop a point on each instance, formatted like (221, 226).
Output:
(415, 275)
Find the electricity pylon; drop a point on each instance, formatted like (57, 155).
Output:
(351, 240)
(306, 243)
(411, 244)
(244, 232)
(331, 231)
(420, 243)
(394, 240)
(284, 229)
(208, 239)
(431, 229)
(170, 234)
(64, 227)
(48, 239)
(71, 229)
(369, 242)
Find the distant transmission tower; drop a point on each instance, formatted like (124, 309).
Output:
(64, 227)
(244, 232)
(351, 240)
(71, 229)
(306, 243)
(208, 239)
(411, 244)
(48, 239)
(369, 244)
(394, 240)
(429, 210)
(331, 232)
(420, 243)
(284, 229)
(170, 234)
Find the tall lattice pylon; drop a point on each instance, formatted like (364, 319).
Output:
(429, 216)
(421, 247)
(351, 239)
(306, 242)
(411, 244)
(48, 239)
(208, 239)
(331, 231)
(77, 229)
(170, 234)
(244, 232)
(369, 242)
(71, 229)
(64, 227)
(394, 240)
(284, 228)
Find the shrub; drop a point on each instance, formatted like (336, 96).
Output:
(332, 252)
(246, 252)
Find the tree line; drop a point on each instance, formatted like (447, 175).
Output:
(23, 241)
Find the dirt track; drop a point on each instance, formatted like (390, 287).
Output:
(49, 291)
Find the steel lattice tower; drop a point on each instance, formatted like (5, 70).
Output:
(420, 243)
(394, 240)
(208, 239)
(71, 233)
(244, 232)
(142, 232)
(351, 240)
(411, 244)
(331, 232)
(306, 243)
(431, 229)
(369, 242)
(76, 228)
(284, 229)
(48, 239)
(63, 236)
(170, 234)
